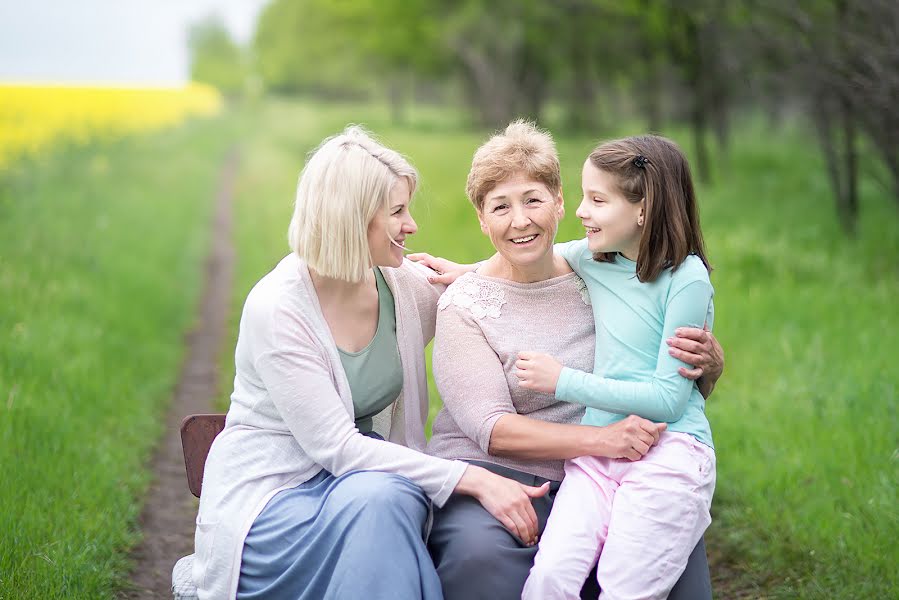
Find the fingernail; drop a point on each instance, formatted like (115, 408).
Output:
(671, 351)
(669, 341)
(678, 331)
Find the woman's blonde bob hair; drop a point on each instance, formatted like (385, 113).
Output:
(345, 182)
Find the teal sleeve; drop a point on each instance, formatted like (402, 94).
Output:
(572, 252)
(665, 397)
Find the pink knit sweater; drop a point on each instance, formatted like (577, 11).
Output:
(482, 324)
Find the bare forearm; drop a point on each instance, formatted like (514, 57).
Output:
(706, 386)
(517, 436)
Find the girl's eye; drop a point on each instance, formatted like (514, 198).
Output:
(598, 200)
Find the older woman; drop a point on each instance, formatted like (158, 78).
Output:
(524, 297)
(302, 496)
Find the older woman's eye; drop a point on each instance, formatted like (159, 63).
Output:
(499, 207)
(398, 210)
(533, 200)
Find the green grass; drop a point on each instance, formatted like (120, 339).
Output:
(805, 418)
(100, 250)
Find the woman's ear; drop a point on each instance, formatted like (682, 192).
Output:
(481, 221)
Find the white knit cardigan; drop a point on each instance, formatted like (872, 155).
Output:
(291, 413)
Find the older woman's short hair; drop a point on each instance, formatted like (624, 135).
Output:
(520, 148)
(346, 180)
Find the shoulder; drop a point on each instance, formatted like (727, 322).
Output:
(414, 270)
(573, 251)
(279, 298)
(474, 295)
(691, 272)
(411, 278)
(692, 269)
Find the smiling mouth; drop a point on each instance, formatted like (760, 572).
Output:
(525, 239)
(592, 230)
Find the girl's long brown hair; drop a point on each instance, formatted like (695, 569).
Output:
(654, 168)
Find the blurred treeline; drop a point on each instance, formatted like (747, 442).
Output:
(705, 64)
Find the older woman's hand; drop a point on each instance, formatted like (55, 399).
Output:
(538, 371)
(505, 499)
(697, 347)
(630, 438)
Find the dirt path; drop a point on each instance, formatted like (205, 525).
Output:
(168, 517)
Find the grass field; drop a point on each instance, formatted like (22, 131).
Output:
(100, 251)
(805, 418)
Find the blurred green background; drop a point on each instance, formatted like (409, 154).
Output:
(786, 109)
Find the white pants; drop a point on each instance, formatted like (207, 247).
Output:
(639, 519)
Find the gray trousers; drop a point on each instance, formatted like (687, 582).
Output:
(477, 558)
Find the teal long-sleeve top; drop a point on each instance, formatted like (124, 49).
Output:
(633, 372)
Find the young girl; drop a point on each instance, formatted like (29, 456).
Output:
(645, 268)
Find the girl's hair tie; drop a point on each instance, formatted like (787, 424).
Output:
(640, 161)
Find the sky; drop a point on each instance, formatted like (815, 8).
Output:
(109, 42)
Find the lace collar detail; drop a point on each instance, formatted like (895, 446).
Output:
(481, 298)
(582, 288)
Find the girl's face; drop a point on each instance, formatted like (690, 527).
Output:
(387, 231)
(613, 224)
(520, 216)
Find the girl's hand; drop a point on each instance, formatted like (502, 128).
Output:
(505, 499)
(537, 371)
(446, 270)
(629, 438)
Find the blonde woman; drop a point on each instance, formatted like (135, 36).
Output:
(317, 487)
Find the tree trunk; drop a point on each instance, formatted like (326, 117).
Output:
(700, 108)
(849, 209)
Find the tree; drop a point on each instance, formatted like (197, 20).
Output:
(840, 59)
(215, 58)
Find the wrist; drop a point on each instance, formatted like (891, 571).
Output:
(562, 383)
(471, 483)
(599, 442)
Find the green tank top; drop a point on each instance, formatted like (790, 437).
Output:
(375, 373)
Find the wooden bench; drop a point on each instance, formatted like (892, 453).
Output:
(197, 434)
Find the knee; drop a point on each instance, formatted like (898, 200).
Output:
(546, 576)
(381, 494)
(472, 556)
(542, 582)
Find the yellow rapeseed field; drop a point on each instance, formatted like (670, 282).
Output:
(33, 117)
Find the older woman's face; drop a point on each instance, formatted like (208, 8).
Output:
(521, 216)
(388, 230)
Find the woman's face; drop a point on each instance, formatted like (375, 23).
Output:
(521, 216)
(613, 224)
(387, 231)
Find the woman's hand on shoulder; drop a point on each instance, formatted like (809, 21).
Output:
(445, 271)
(630, 438)
(506, 499)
